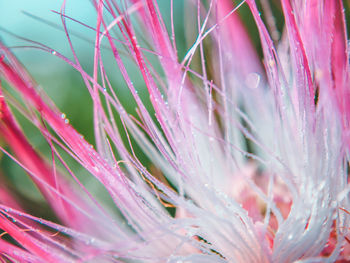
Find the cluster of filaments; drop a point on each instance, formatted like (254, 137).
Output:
(251, 154)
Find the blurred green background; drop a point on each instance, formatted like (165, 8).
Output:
(34, 20)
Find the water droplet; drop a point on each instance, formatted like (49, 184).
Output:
(90, 241)
(63, 116)
(334, 216)
(53, 52)
(252, 80)
(322, 185)
(66, 121)
(334, 204)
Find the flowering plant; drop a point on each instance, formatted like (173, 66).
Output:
(251, 154)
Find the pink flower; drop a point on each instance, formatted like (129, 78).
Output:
(252, 153)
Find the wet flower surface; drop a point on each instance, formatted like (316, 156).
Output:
(247, 154)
